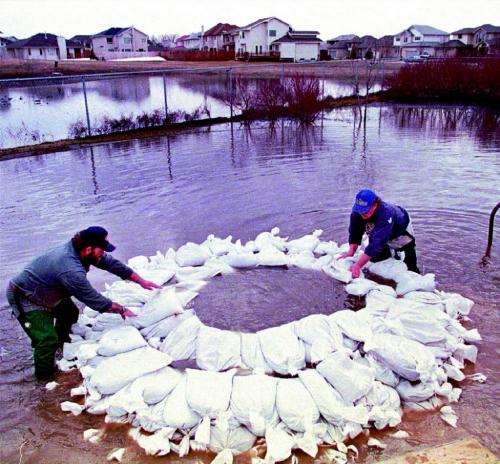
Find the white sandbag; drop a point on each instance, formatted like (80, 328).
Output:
(384, 406)
(466, 353)
(157, 385)
(339, 270)
(191, 254)
(126, 401)
(157, 444)
(279, 444)
(321, 332)
(449, 416)
(180, 343)
(329, 402)
(241, 260)
(127, 293)
(237, 440)
(295, 405)
(107, 321)
(120, 340)
(159, 276)
(306, 260)
(162, 305)
(251, 353)
(270, 239)
(305, 243)
(176, 411)
(412, 281)
(117, 371)
(382, 372)
(74, 408)
(71, 350)
(391, 269)
(408, 358)
(352, 325)
(351, 379)
(218, 246)
(270, 256)
(162, 328)
(253, 401)
(456, 304)
(415, 392)
(327, 248)
(360, 287)
(209, 393)
(191, 274)
(282, 350)
(217, 350)
(430, 298)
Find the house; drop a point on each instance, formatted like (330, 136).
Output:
(368, 47)
(190, 41)
(344, 46)
(450, 49)
(482, 40)
(79, 46)
(4, 41)
(386, 49)
(218, 37)
(297, 46)
(254, 39)
(41, 46)
(419, 39)
(119, 42)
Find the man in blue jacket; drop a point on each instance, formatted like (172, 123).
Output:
(41, 294)
(388, 227)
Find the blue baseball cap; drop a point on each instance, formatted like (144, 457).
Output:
(364, 201)
(96, 236)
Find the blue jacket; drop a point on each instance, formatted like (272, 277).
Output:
(60, 274)
(388, 222)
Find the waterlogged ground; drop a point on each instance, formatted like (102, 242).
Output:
(443, 164)
(44, 111)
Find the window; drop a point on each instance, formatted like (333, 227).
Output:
(127, 40)
(397, 39)
(272, 32)
(405, 39)
(256, 49)
(143, 40)
(29, 51)
(41, 52)
(459, 36)
(242, 34)
(417, 39)
(109, 40)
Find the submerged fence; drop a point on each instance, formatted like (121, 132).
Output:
(36, 110)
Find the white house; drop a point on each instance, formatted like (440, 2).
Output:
(120, 42)
(256, 38)
(418, 39)
(40, 46)
(298, 46)
(190, 41)
(4, 41)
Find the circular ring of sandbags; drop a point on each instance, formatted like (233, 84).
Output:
(338, 373)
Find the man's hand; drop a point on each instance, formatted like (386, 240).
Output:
(147, 284)
(347, 254)
(350, 252)
(128, 313)
(355, 270)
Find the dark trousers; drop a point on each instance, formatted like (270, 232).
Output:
(47, 330)
(410, 256)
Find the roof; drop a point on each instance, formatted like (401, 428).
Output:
(368, 41)
(453, 44)
(112, 31)
(427, 30)
(345, 38)
(386, 41)
(489, 28)
(261, 20)
(219, 29)
(293, 37)
(38, 40)
(466, 30)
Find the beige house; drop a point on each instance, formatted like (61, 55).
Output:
(255, 39)
(40, 46)
(419, 39)
(296, 46)
(483, 39)
(120, 42)
(218, 37)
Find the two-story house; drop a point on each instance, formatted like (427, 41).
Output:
(298, 46)
(255, 39)
(4, 41)
(190, 41)
(419, 39)
(42, 46)
(483, 40)
(344, 46)
(119, 42)
(217, 37)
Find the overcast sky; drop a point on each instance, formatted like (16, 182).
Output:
(23, 18)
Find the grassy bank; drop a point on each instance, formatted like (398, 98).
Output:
(30, 68)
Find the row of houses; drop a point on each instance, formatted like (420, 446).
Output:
(265, 38)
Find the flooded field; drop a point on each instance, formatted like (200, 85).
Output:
(35, 112)
(442, 164)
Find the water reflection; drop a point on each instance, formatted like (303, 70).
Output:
(119, 90)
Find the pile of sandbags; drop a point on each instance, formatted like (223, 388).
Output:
(320, 379)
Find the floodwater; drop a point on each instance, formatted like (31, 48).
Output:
(36, 112)
(442, 164)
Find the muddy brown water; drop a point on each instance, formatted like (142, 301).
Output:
(442, 165)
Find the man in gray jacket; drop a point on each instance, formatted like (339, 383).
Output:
(41, 293)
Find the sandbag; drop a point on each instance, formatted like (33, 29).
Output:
(191, 254)
(162, 305)
(217, 350)
(282, 350)
(295, 405)
(305, 243)
(120, 340)
(180, 343)
(251, 353)
(115, 372)
(157, 385)
(176, 411)
(412, 281)
(241, 260)
(237, 439)
(391, 269)
(360, 287)
(351, 379)
(408, 358)
(352, 325)
(253, 401)
(270, 256)
(162, 328)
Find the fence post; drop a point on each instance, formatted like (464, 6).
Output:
(165, 97)
(230, 91)
(86, 106)
(283, 74)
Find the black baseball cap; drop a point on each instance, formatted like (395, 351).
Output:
(96, 236)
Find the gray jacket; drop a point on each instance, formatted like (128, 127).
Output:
(60, 274)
